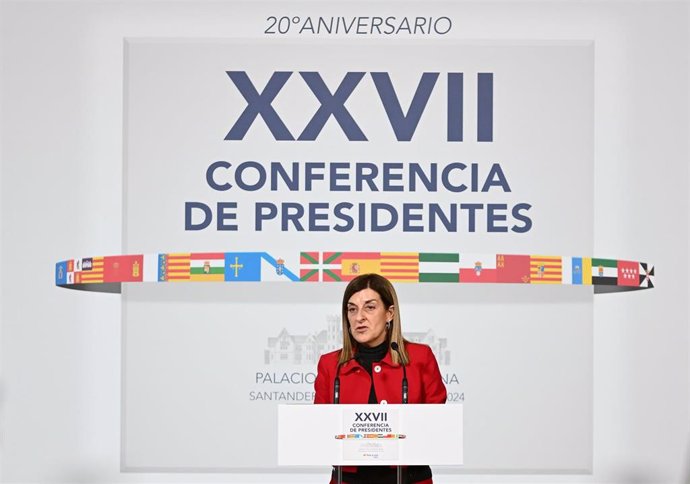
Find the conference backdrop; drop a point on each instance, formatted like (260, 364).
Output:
(285, 168)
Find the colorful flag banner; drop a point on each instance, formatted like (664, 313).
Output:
(439, 267)
(315, 266)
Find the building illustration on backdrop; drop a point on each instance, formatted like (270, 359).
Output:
(300, 349)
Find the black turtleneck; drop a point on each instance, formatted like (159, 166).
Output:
(366, 357)
(380, 474)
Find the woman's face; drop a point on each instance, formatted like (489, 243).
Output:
(367, 316)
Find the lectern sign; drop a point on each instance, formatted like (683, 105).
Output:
(372, 435)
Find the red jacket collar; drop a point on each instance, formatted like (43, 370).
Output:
(352, 364)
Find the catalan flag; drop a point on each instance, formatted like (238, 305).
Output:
(545, 269)
(207, 266)
(400, 266)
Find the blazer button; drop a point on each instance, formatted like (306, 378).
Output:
(384, 402)
(377, 369)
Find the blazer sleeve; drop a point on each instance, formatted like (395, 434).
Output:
(434, 388)
(322, 383)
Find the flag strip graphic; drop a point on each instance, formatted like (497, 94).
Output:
(314, 266)
(208, 266)
(439, 267)
(178, 267)
(400, 266)
(150, 270)
(567, 274)
(243, 266)
(309, 266)
(545, 269)
(605, 272)
(92, 270)
(587, 271)
(279, 266)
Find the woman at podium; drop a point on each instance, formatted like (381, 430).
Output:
(377, 365)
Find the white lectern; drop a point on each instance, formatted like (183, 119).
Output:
(360, 435)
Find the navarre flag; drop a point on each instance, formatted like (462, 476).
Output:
(123, 268)
(545, 269)
(242, 266)
(207, 266)
(628, 273)
(605, 271)
(477, 268)
(439, 267)
(512, 268)
(400, 266)
(309, 269)
(345, 266)
(91, 270)
(273, 269)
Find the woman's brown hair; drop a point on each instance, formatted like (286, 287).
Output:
(388, 296)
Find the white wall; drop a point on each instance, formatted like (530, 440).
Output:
(61, 196)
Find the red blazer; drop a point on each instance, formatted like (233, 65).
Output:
(423, 377)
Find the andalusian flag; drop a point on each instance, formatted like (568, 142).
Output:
(439, 267)
(207, 266)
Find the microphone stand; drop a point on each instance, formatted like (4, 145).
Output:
(336, 401)
(396, 348)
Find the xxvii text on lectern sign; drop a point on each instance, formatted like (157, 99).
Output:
(310, 435)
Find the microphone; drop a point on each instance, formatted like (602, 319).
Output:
(336, 386)
(396, 348)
